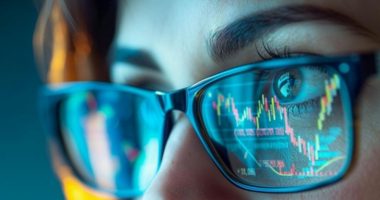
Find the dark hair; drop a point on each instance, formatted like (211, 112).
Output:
(73, 38)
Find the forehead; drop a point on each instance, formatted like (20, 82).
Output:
(175, 33)
(200, 17)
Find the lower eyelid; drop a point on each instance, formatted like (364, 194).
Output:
(303, 109)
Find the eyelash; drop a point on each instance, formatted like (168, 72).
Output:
(268, 53)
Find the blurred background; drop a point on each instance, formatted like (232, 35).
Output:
(25, 170)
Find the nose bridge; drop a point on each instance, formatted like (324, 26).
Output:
(176, 100)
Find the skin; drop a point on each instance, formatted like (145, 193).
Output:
(174, 34)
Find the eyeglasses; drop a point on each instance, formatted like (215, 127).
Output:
(282, 125)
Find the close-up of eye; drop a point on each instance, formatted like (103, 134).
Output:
(298, 89)
(146, 78)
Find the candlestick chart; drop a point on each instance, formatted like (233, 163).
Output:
(274, 143)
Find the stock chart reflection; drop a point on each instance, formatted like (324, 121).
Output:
(279, 128)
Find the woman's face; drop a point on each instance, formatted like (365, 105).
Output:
(178, 48)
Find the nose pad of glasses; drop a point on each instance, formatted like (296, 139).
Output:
(173, 105)
(176, 100)
(170, 118)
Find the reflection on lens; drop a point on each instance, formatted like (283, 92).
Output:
(280, 127)
(112, 138)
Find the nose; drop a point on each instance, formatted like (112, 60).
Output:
(187, 172)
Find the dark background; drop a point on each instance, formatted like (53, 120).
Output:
(25, 170)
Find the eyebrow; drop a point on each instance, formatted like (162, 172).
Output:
(245, 31)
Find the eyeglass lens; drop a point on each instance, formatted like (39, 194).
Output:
(111, 137)
(282, 127)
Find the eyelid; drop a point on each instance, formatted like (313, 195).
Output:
(124, 73)
(135, 57)
(267, 51)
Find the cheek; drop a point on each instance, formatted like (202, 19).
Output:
(369, 115)
(368, 132)
(364, 176)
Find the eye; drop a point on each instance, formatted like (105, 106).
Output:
(299, 88)
(123, 73)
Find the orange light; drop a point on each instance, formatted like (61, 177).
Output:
(57, 65)
(75, 190)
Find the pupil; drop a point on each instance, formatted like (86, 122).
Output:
(287, 86)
